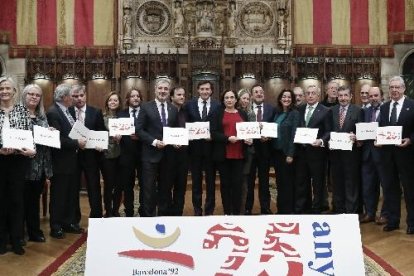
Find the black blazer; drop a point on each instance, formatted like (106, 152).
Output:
(149, 128)
(405, 119)
(354, 114)
(130, 149)
(64, 159)
(320, 119)
(217, 134)
(368, 148)
(263, 149)
(199, 147)
(286, 132)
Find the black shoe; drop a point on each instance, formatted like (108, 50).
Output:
(266, 212)
(18, 249)
(198, 212)
(410, 230)
(37, 238)
(389, 228)
(57, 234)
(248, 212)
(73, 229)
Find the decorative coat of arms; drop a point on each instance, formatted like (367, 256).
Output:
(153, 18)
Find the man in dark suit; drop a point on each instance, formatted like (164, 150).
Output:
(200, 110)
(262, 155)
(88, 159)
(180, 157)
(397, 160)
(346, 164)
(64, 192)
(156, 169)
(311, 159)
(371, 162)
(130, 158)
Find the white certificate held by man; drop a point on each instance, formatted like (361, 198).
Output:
(78, 131)
(121, 126)
(17, 138)
(46, 137)
(175, 136)
(340, 141)
(389, 135)
(198, 130)
(97, 139)
(305, 135)
(248, 130)
(366, 131)
(268, 130)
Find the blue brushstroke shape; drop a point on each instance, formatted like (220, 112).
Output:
(160, 228)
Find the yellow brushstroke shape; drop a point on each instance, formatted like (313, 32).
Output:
(157, 242)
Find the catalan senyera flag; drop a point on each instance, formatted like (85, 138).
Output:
(350, 22)
(58, 22)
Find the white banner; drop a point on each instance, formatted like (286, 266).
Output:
(121, 126)
(390, 135)
(175, 136)
(17, 138)
(269, 130)
(366, 131)
(340, 141)
(248, 130)
(225, 245)
(45, 136)
(198, 130)
(305, 135)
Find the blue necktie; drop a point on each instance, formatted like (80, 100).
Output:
(163, 117)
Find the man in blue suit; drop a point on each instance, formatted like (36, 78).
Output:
(199, 110)
(262, 155)
(397, 160)
(153, 116)
(371, 162)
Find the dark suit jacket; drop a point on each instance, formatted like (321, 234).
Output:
(64, 159)
(286, 132)
(149, 128)
(320, 119)
(368, 148)
(406, 118)
(199, 147)
(263, 149)
(93, 121)
(217, 134)
(354, 114)
(130, 149)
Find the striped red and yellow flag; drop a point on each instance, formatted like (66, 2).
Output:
(351, 22)
(59, 22)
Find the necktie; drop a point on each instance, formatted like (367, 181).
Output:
(70, 118)
(374, 113)
(308, 115)
(80, 116)
(341, 116)
(204, 111)
(259, 114)
(393, 117)
(134, 113)
(163, 117)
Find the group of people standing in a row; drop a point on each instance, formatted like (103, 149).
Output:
(162, 170)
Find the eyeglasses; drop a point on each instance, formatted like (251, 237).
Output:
(395, 86)
(34, 95)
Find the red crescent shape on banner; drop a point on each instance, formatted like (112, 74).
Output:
(174, 257)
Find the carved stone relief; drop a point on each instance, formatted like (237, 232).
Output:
(236, 23)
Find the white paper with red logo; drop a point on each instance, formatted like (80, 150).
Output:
(225, 245)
